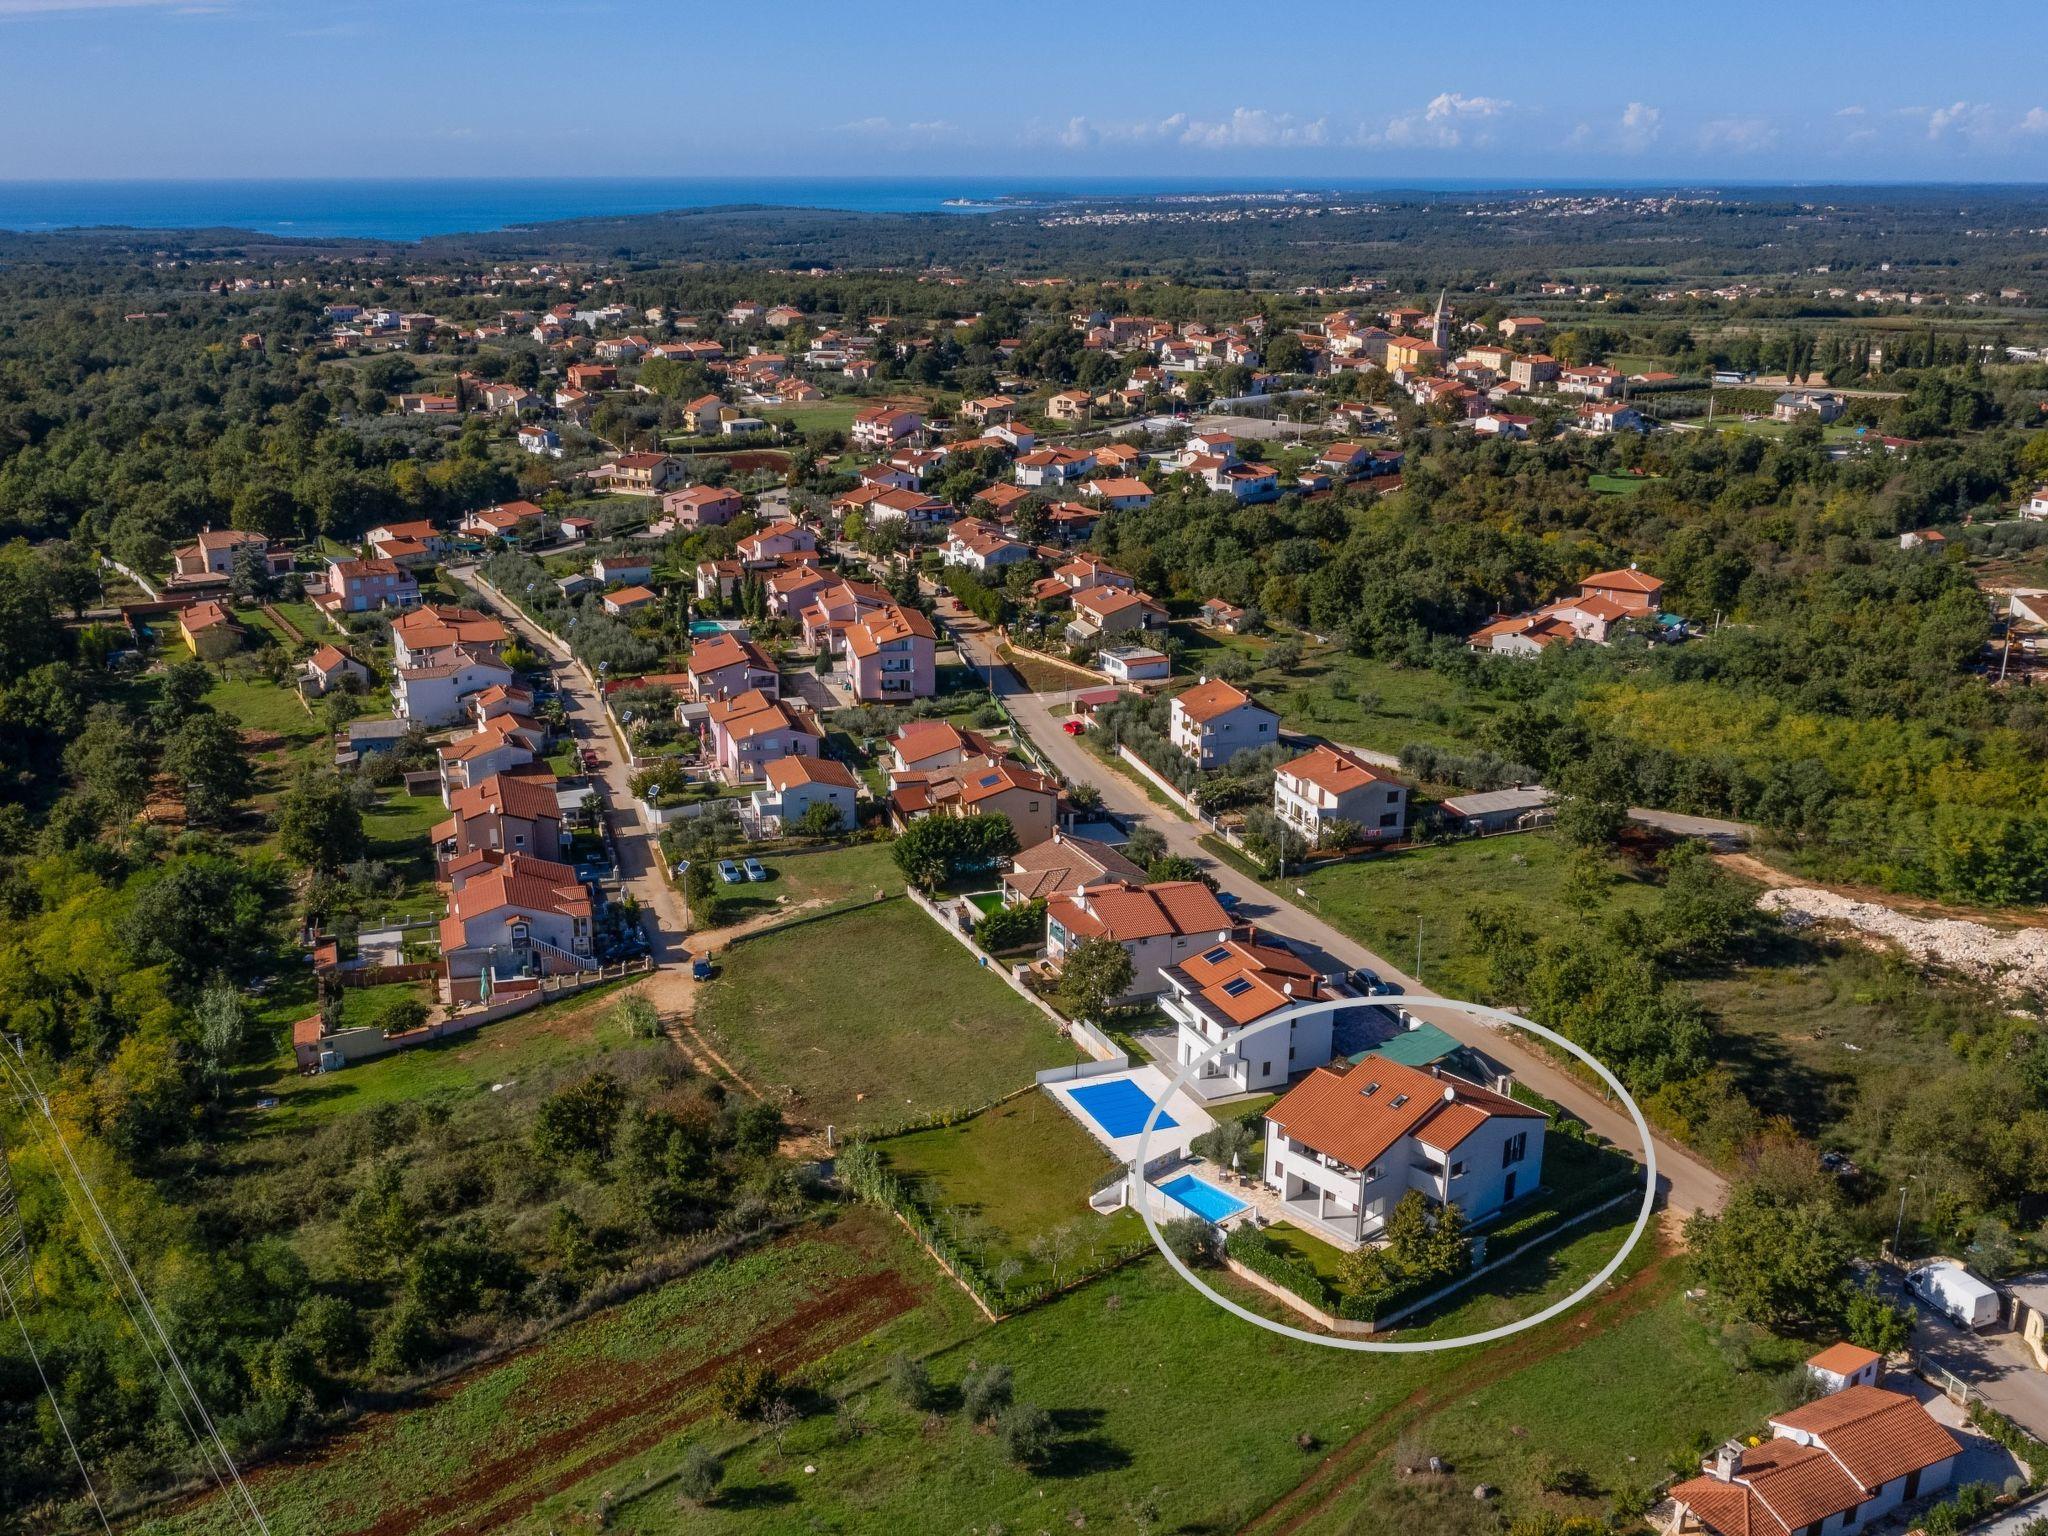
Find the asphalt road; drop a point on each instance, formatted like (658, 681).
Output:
(639, 852)
(1689, 1184)
(1993, 1361)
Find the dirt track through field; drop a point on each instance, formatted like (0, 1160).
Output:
(615, 1418)
(1302, 1507)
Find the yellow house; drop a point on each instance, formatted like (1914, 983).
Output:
(209, 630)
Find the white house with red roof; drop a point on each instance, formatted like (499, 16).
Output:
(925, 746)
(1327, 784)
(980, 546)
(790, 786)
(1229, 999)
(981, 785)
(330, 667)
(512, 919)
(1345, 1144)
(1840, 1463)
(1052, 466)
(725, 665)
(1213, 721)
(884, 426)
(1158, 926)
(1604, 599)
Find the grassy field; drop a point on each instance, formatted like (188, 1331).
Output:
(579, 1027)
(1620, 485)
(1154, 1394)
(257, 704)
(1016, 1171)
(1351, 699)
(1809, 1026)
(1380, 901)
(495, 1453)
(922, 1029)
(820, 876)
(1569, 1432)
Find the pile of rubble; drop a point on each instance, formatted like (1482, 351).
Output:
(2015, 961)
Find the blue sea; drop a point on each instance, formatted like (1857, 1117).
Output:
(413, 209)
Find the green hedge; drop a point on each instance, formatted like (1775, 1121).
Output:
(1255, 1251)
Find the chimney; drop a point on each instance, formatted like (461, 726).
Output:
(1727, 1462)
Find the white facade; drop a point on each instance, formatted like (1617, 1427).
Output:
(1377, 806)
(1214, 741)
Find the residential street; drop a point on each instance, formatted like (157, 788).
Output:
(1689, 1184)
(639, 853)
(1994, 1362)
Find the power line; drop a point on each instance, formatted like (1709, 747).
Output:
(14, 1271)
(100, 1260)
(156, 1323)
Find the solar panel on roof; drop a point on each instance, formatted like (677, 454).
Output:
(1237, 986)
(988, 779)
(1217, 955)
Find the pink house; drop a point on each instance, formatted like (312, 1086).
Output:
(772, 543)
(890, 655)
(749, 732)
(725, 666)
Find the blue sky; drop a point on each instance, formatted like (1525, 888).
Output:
(1297, 91)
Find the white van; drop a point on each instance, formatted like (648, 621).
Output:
(1955, 1293)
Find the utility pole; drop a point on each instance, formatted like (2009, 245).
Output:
(1418, 949)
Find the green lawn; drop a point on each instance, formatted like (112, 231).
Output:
(258, 704)
(871, 1016)
(1009, 1175)
(1380, 901)
(575, 1027)
(1621, 1411)
(1620, 485)
(810, 878)
(1350, 699)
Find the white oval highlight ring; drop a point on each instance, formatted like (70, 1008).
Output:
(1499, 1017)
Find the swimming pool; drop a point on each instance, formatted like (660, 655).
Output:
(1119, 1107)
(1203, 1198)
(699, 628)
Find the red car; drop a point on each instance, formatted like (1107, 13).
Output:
(1074, 727)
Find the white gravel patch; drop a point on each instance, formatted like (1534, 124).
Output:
(2013, 960)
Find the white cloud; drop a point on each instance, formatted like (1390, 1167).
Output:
(888, 127)
(1244, 128)
(2036, 121)
(1450, 121)
(1632, 133)
(1739, 135)
(1849, 111)
(1967, 119)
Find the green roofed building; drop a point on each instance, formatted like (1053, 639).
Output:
(1424, 1046)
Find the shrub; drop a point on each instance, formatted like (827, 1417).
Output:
(911, 1380)
(1028, 1434)
(1011, 927)
(986, 1393)
(402, 1015)
(699, 1475)
(744, 1389)
(1191, 1240)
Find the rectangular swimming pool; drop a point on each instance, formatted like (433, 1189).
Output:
(1119, 1107)
(1203, 1198)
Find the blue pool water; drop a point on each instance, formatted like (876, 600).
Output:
(1203, 1198)
(1119, 1107)
(702, 627)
